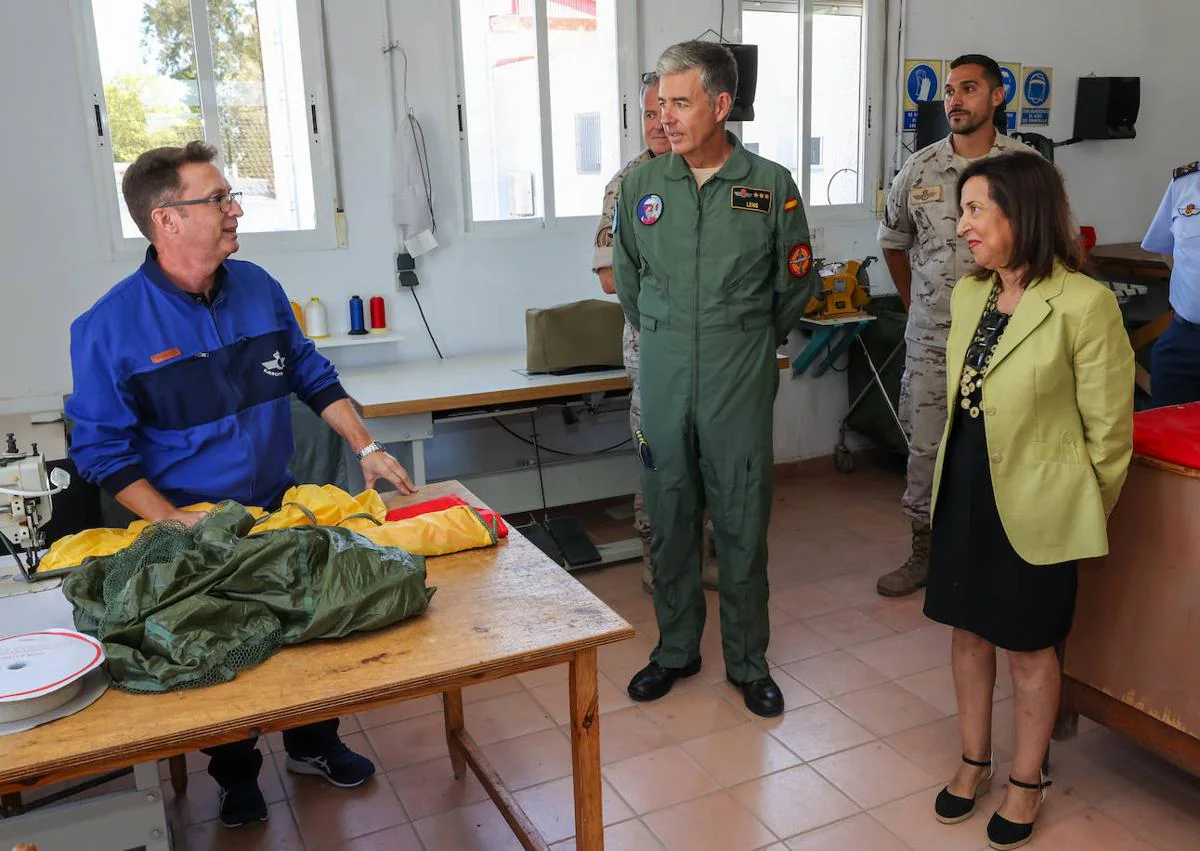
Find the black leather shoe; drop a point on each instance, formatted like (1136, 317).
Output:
(762, 696)
(654, 681)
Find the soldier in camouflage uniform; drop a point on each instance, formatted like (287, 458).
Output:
(656, 145)
(926, 257)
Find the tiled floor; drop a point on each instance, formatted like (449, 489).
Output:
(854, 765)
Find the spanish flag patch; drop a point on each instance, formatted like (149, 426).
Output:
(791, 204)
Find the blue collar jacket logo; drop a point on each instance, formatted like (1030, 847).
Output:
(274, 366)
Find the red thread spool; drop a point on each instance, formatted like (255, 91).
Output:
(378, 315)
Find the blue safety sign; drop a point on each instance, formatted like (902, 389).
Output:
(1009, 80)
(922, 83)
(1036, 90)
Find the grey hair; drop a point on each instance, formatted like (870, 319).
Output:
(715, 62)
(648, 79)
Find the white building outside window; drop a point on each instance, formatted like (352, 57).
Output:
(831, 61)
(536, 78)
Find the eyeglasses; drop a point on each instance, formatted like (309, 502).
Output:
(223, 202)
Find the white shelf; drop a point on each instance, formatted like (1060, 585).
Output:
(337, 341)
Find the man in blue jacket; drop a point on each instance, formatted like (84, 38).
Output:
(183, 374)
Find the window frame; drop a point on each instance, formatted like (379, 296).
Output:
(871, 114)
(326, 192)
(628, 81)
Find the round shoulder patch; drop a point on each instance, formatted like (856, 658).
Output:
(650, 209)
(800, 260)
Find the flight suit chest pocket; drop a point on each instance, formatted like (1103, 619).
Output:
(749, 284)
(748, 264)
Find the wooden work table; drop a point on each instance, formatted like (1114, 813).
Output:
(1130, 660)
(497, 612)
(1129, 262)
(1124, 260)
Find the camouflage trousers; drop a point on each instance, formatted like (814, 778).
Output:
(641, 520)
(923, 415)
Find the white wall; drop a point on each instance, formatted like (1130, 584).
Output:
(1116, 185)
(476, 288)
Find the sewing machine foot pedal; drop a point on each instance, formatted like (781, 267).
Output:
(541, 539)
(572, 539)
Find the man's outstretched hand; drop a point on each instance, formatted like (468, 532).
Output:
(381, 465)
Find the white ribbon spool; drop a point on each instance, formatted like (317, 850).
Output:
(41, 671)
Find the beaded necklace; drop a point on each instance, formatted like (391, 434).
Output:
(979, 353)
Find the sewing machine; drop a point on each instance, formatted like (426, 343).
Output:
(844, 291)
(25, 505)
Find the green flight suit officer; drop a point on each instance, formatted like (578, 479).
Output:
(713, 265)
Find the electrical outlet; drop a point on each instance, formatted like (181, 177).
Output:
(817, 240)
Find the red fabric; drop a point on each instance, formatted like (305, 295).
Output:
(1169, 434)
(441, 504)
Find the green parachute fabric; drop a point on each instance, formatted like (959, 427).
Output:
(183, 608)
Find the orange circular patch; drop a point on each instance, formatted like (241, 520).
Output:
(800, 260)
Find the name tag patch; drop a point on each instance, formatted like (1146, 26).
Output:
(163, 357)
(747, 198)
(925, 194)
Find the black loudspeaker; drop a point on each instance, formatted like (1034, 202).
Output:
(932, 124)
(1107, 107)
(746, 57)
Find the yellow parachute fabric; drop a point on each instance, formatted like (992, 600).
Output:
(439, 533)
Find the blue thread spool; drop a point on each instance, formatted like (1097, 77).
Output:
(357, 324)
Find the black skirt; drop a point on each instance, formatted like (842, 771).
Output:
(977, 582)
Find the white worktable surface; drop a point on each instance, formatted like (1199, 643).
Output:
(429, 386)
(462, 382)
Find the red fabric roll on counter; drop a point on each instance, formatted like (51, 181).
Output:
(1170, 434)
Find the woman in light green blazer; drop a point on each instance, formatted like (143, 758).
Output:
(1036, 448)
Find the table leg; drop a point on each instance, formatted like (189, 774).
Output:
(585, 752)
(10, 804)
(418, 463)
(452, 708)
(177, 766)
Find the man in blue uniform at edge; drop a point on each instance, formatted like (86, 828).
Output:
(183, 374)
(1175, 233)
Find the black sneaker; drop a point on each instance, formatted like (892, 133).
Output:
(341, 766)
(242, 805)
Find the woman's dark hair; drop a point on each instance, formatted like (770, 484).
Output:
(1029, 192)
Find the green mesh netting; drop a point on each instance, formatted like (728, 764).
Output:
(183, 608)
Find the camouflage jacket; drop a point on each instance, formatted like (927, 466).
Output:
(921, 218)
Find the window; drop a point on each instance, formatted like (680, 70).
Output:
(243, 75)
(540, 105)
(587, 143)
(815, 97)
